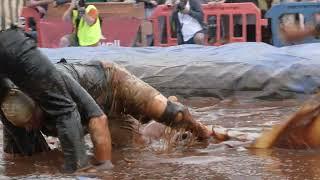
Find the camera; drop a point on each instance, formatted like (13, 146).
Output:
(81, 3)
(181, 5)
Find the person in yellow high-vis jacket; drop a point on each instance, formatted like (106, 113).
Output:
(86, 22)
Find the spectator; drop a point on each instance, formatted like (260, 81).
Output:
(86, 22)
(187, 22)
(251, 22)
(150, 5)
(212, 24)
(42, 5)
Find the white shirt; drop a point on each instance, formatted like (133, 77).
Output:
(190, 26)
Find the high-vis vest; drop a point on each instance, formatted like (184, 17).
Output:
(87, 35)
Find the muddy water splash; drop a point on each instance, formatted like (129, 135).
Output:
(217, 161)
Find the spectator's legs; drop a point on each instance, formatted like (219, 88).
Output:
(148, 13)
(68, 41)
(199, 38)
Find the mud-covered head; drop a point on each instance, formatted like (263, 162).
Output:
(18, 108)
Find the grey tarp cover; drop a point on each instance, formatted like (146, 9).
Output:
(192, 70)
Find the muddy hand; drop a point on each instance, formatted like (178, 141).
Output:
(218, 135)
(197, 128)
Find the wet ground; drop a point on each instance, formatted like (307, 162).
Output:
(213, 162)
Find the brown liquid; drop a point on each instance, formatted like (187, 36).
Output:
(213, 162)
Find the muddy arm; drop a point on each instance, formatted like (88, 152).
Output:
(93, 117)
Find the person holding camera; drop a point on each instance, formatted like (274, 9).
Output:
(86, 22)
(187, 21)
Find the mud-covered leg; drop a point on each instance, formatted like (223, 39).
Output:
(141, 100)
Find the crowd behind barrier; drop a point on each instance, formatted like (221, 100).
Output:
(307, 10)
(133, 27)
(230, 10)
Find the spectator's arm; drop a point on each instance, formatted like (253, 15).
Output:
(91, 17)
(67, 16)
(196, 10)
(295, 33)
(34, 3)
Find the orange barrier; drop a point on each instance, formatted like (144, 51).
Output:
(27, 13)
(164, 12)
(228, 10)
(231, 11)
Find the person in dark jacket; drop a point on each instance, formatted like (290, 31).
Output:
(24, 64)
(187, 22)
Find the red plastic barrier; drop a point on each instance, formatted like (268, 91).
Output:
(30, 12)
(50, 32)
(231, 10)
(120, 30)
(162, 11)
(217, 10)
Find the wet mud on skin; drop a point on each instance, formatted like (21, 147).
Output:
(213, 162)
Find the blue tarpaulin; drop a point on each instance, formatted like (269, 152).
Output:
(193, 70)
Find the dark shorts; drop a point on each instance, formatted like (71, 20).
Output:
(191, 40)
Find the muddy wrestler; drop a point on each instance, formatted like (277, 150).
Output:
(115, 90)
(24, 64)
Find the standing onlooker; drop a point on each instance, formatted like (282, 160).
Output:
(212, 24)
(86, 22)
(187, 21)
(40, 5)
(251, 22)
(149, 6)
